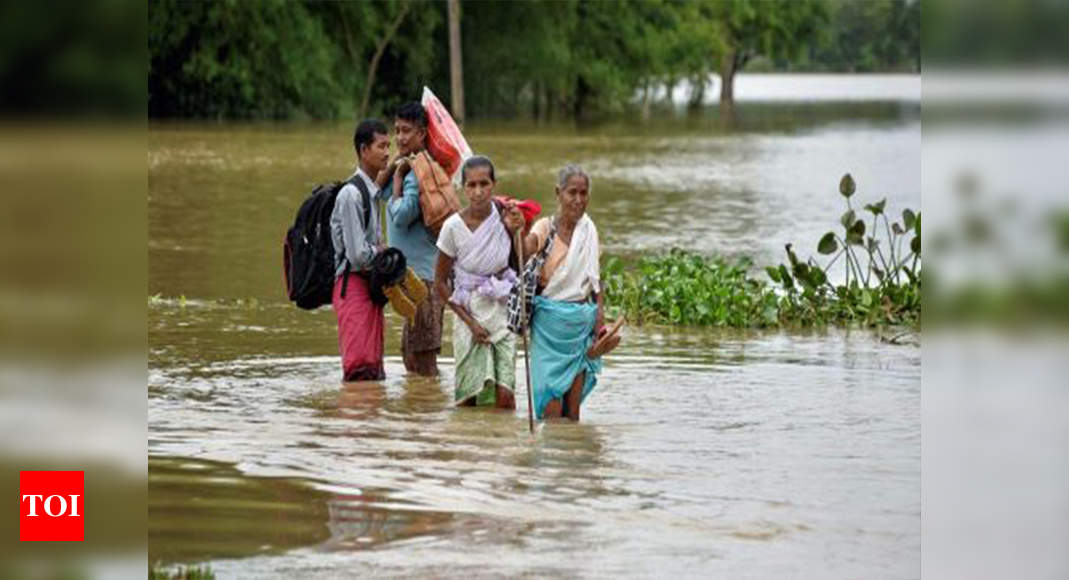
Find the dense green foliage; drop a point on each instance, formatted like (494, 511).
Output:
(880, 287)
(572, 58)
(866, 37)
(278, 59)
(685, 288)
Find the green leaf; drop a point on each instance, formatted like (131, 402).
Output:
(847, 219)
(870, 244)
(917, 225)
(828, 244)
(817, 277)
(847, 187)
(877, 208)
(856, 233)
(773, 273)
(897, 228)
(908, 217)
(915, 244)
(788, 282)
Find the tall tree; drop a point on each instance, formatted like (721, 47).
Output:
(380, 48)
(752, 27)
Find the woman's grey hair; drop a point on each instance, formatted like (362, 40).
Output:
(569, 171)
(475, 162)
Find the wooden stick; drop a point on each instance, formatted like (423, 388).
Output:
(523, 332)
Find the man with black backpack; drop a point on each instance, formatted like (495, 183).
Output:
(356, 233)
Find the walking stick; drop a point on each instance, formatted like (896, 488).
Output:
(523, 331)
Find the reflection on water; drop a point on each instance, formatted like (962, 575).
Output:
(703, 452)
(201, 509)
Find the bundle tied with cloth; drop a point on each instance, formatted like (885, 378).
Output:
(392, 281)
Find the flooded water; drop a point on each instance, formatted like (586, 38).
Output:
(702, 452)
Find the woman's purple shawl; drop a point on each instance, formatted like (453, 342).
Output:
(482, 264)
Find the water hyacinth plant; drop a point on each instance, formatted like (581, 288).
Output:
(685, 288)
(880, 288)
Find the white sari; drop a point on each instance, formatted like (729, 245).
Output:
(579, 274)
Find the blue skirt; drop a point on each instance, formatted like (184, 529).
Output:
(561, 333)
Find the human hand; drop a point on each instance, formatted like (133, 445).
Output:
(513, 217)
(478, 333)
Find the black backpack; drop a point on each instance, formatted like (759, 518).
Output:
(308, 252)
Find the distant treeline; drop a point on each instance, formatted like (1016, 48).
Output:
(540, 58)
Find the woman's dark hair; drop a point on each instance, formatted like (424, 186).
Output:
(413, 112)
(365, 133)
(475, 162)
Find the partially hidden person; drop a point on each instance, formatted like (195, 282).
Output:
(421, 338)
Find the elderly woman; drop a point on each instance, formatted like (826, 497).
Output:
(474, 277)
(568, 312)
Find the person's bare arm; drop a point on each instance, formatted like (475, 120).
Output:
(530, 245)
(442, 286)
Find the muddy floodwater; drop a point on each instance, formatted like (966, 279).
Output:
(703, 452)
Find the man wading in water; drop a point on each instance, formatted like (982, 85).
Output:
(356, 234)
(421, 340)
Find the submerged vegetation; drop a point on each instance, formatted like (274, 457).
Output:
(159, 572)
(881, 286)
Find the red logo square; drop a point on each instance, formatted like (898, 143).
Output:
(51, 506)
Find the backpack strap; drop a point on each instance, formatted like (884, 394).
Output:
(365, 197)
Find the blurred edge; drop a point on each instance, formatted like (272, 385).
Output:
(73, 241)
(995, 183)
(72, 167)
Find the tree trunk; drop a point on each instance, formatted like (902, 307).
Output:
(349, 44)
(538, 101)
(646, 100)
(697, 90)
(582, 95)
(727, 81)
(456, 73)
(669, 90)
(379, 50)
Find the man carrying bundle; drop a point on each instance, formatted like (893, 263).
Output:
(417, 181)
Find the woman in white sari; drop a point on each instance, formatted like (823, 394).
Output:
(474, 277)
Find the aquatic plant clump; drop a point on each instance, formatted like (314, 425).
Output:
(882, 284)
(882, 270)
(685, 288)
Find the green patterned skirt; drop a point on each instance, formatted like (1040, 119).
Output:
(482, 367)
